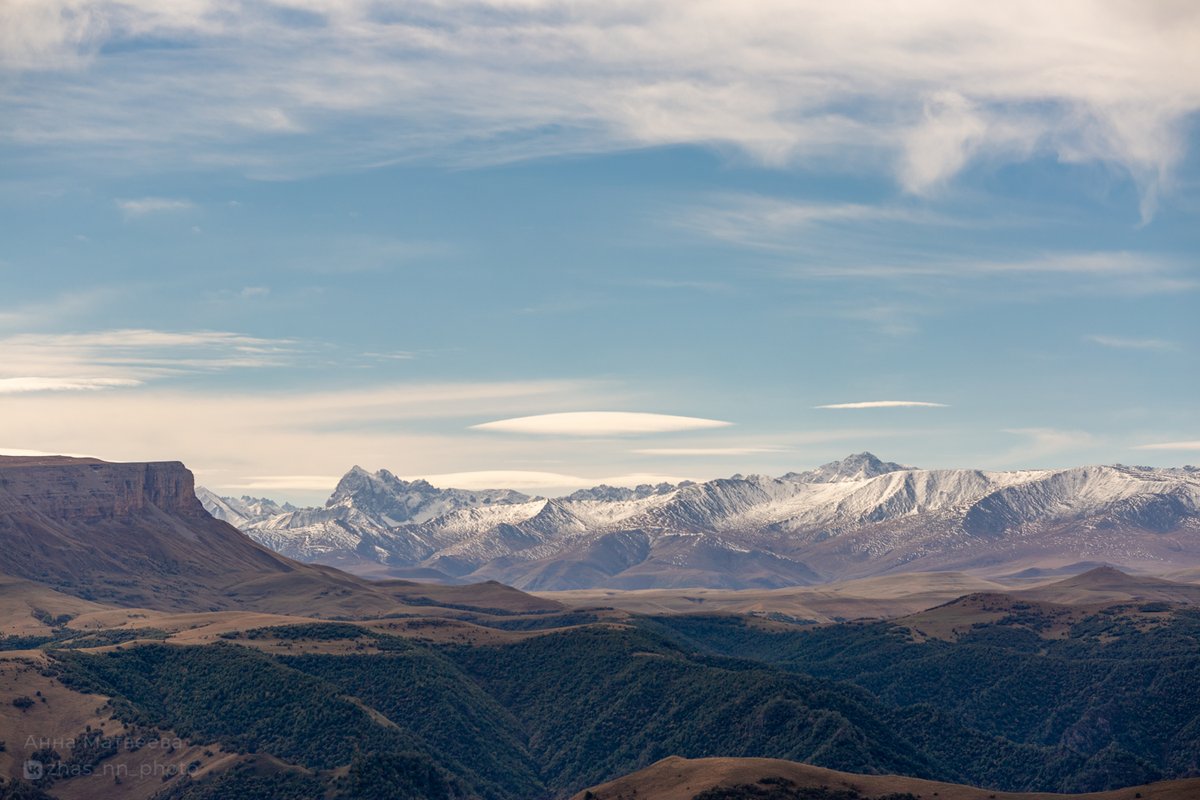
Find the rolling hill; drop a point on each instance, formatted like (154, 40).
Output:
(677, 778)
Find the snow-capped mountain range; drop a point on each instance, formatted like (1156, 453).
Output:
(851, 518)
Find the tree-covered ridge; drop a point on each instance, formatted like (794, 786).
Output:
(68, 639)
(600, 701)
(1105, 703)
(370, 776)
(238, 697)
(1105, 706)
(471, 734)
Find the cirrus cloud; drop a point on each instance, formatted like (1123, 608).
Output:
(921, 94)
(1131, 343)
(152, 205)
(23, 385)
(132, 355)
(1192, 445)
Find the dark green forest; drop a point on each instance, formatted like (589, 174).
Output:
(1109, 705)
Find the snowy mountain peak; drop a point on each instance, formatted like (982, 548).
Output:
(238, 511)
(856, 467)
(392, 500)
(856, 517)
(608, 493)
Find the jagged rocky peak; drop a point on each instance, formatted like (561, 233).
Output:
(360, 484)
(856, 467)
(607, 493)
(242, 510)
(394, 500)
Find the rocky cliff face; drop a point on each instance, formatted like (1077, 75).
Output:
(131, 534)
(85, 489)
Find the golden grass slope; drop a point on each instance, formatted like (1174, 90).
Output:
(60, 716)
(677, 778)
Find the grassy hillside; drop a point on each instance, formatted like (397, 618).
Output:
(769, 779)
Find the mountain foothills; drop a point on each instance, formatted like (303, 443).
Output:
(854, 518)
(151, 651)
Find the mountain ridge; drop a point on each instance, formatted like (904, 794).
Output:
(857, 517)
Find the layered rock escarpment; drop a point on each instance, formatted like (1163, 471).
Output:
(130, 534)
(86, 489)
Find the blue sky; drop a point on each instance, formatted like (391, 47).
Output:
(275, 240)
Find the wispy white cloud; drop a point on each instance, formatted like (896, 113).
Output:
(398, 355)
(872, 243)
(1192, 445)
(599, 423)
(24, 385)
(778, 224)
(950, 129)
(138, 354)
(1130, 343)
(1111, 264)
(142, 206)
(1086, 263)
(922, 95)
(885, 404)
(1105, 272)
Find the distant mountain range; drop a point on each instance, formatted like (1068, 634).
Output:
(857, 517)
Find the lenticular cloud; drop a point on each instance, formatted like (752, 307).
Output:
(599, 423)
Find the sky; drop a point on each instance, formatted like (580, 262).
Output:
(545, 245)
